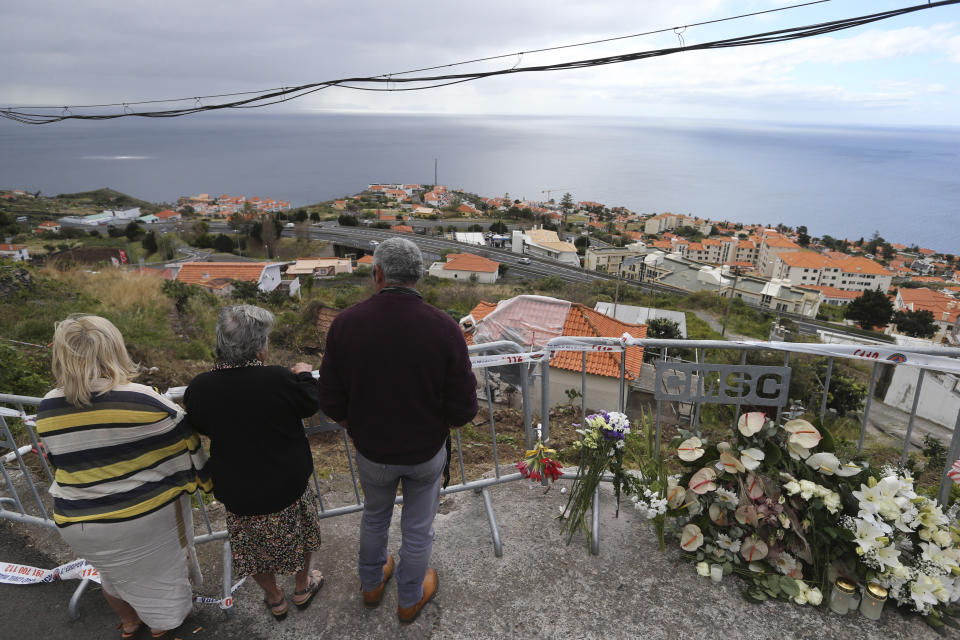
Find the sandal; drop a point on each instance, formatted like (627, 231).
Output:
(129, 634)
(316, 581)
(273, 606)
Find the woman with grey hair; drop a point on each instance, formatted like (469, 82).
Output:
(259, 456)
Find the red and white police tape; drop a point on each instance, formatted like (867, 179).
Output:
(79, 569)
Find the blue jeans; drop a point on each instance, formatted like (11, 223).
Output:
(421, 497)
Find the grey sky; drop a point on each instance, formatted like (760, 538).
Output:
(901, 71)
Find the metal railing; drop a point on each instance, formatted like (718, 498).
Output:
(522, 364)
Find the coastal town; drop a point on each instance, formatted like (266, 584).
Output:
(777, 268)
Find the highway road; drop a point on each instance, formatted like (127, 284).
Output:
(432, 246)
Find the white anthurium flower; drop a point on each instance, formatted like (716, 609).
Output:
(703, 481)
(719, 516)
(825, 463)
(675, 493)
(753, 487)
(753, 549)
(731, 464)
(797, 452)
(747, 514)
(690, 449)
(724, 446)
(751, 423)
(691, 538)
(751, 458)
(803, 433)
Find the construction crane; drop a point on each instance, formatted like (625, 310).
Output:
(549, 191)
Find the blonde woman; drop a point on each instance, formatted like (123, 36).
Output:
(126, 461)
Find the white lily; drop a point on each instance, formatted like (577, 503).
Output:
(825, 463)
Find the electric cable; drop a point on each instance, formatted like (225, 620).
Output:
(286, 94)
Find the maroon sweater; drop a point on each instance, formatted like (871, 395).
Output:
(397, 370)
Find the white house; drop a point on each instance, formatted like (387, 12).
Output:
(15, 252)
(464, 266)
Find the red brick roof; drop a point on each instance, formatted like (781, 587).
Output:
(199, 272)
(403, 228)
(469, 262)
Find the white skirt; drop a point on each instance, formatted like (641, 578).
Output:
(147, 562)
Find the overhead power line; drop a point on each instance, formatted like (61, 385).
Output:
(421, 83)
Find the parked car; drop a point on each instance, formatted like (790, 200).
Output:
(374, 243)
(523, 261)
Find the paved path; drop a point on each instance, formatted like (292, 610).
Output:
(540, 588)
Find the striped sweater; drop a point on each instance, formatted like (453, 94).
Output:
(130, 453)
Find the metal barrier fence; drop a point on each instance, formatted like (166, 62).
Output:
(683, 382)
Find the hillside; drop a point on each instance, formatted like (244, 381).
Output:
(83, 203)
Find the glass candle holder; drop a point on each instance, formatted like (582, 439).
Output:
(716, 572)
(843, 596)
(871, 604)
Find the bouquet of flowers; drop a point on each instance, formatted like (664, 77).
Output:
(601, 446)
(904, 542)
(758, 505)
(538, 463)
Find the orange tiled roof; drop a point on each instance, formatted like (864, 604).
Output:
(166, 213)
(833, 292)
(367, 259)
(402, 228)
(927, 279)
(12, 247)
(200, 272)
(806, 259)
(584, 321)
(782, 243)
(469, 262)
(857, 264)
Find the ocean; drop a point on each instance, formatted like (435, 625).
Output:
(841, 181)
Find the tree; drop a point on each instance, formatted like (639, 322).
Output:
(223, 243)
(666, 329)
(918, 324)
(149, 243)
(581, 243)
(314, 216)
(345, 220)
(872, 309)
(566, 206)
(167, 246)
(133, 231)
(475, 228)
(498, 227)
(803, 238)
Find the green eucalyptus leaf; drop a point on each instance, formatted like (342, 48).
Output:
(789, 587)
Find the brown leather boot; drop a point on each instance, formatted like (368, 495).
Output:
(372, 598)
(430, 580)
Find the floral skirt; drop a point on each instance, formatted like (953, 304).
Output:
(276, 542)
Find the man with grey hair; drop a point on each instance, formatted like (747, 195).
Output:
(397, 375)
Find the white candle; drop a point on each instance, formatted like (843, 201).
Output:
(716, 572)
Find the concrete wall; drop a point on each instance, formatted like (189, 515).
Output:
(602, 392)
(939, 399)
